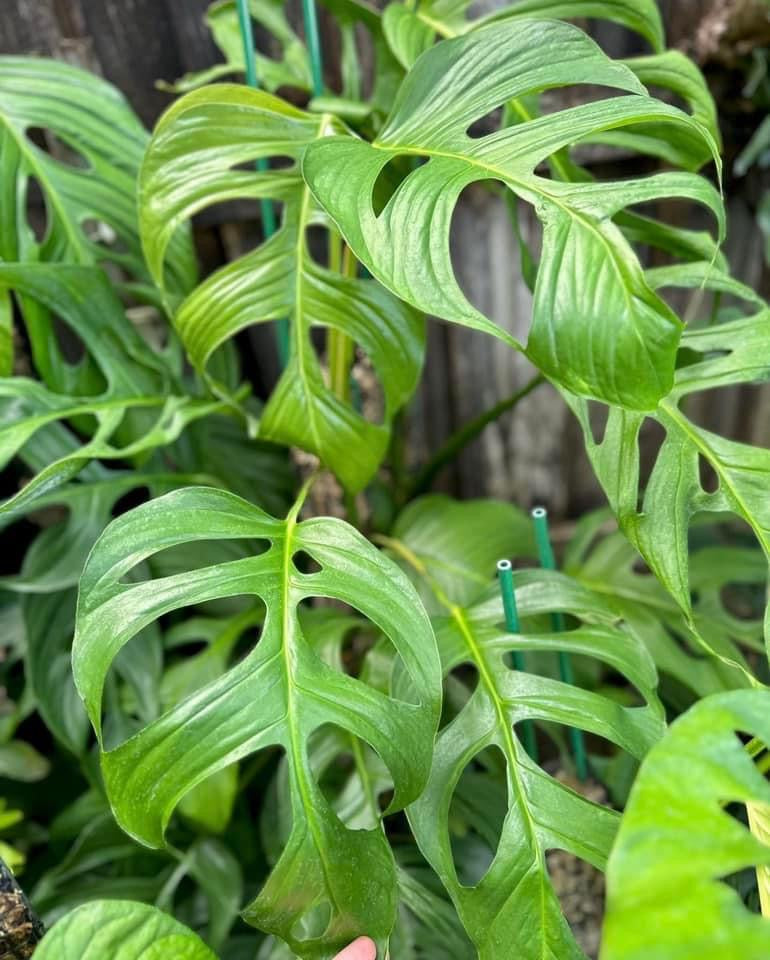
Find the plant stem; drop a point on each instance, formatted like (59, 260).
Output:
(340, 347)
(465, 435)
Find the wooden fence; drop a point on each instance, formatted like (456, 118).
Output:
(536, 453)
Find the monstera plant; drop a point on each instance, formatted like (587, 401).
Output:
(330, 727)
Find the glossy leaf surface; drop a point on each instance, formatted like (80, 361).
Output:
(720, 355)
(598, 328)
(278, 695)
(188, 167)
(413, 28)
(512, 907)
(88, 179)
(677, 842)
(121, 930)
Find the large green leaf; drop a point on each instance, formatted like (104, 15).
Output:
(677, 842)
(512, 908)
(715, 357)
(121, 930)
(189, 166)
(598, 327)
(412, 28)
(137, 402)
(277, 695)
(91, 176)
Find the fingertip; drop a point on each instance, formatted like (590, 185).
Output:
(361, 949)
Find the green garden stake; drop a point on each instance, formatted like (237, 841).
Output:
(505, 575)
(548, 562)
(266, 205)
(313, 40)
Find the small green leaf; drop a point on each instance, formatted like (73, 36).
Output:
(121, 930)
(20, 761)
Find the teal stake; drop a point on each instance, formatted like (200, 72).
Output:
(548, 562)
(267, 209)
(313, 40)
(505, 575)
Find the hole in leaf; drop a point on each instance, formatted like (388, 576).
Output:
(482, 243)
(485, 125)
(349, 774)
(709, 480)
(476, 815)
(459, 686)
(652, 436)
(366, 387)
(598, 415)
(282, 163)
(304, 563)
(58, 148)
(313, 923)
(131, 499)
(389, 179)
(317, 244)
(579, 887)
(36, 209)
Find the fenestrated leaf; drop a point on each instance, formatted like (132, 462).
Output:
(598, 327)
(513, 909)
(277, 695)
(610, 568)
(54, 559)
(120, 930)
(210, 804)
(94, 181)
(136, 401)
(188, 166)
(412, 29)
(721, 355)
(677, 842)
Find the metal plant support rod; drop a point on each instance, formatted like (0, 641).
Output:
(267, 209)
(548, 562)
(505, 576)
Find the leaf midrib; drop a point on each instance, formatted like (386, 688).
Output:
(524, 188)
(486, 676)
(295, 735)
